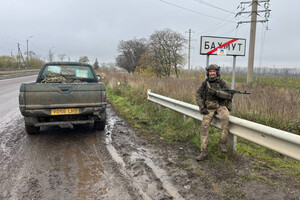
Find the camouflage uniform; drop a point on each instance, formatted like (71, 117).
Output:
(212, 101)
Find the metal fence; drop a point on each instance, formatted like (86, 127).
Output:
(281, 141)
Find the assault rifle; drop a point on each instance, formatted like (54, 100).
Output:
(233, 91)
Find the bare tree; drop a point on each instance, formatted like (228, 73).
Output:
(150, 64)
(131, 52)
(84, 59)
(62, 56)
(165, 48)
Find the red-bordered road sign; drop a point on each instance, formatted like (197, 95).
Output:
(209, 45)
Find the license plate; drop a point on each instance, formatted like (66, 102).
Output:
(65, 111)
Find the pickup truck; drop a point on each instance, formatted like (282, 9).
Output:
(64, 94)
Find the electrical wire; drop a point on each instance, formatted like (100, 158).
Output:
(216, 27)
(187, 9)
(37, 48)
(213, 6)
(235, 29)
(263, 39)
(221, 25)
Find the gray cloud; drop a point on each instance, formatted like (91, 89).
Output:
(95, 27)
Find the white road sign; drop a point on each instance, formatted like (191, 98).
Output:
(209, 45)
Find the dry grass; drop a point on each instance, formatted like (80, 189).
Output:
(266, 104)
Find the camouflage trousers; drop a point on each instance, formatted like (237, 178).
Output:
(224, 117)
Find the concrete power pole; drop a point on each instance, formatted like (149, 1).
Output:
(189, 55)
(51, 54)
(254, 12)
(189, 51)
(252, 43)
(27, 51)
(21, 58)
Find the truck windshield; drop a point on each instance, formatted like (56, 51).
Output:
(70, 71)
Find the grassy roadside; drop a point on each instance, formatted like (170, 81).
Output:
(284, 82)
(275, 106)
(160, 125)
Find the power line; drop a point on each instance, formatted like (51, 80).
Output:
(217, 27)
(187, 9)
(263, 39)
(213, 6)
(37, 48)
(220, 24)
(235, 29)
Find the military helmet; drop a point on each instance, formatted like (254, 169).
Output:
(213, 67)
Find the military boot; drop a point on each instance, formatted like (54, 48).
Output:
(203, 156)
(223, 148)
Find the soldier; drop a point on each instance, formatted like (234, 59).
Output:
(211, 101)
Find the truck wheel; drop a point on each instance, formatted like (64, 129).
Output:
(32, 130)
(99, 125)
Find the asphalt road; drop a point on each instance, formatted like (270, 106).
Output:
(78, 163)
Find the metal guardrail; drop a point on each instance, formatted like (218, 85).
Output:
(281, 141)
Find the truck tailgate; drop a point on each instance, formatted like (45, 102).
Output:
(58, 95)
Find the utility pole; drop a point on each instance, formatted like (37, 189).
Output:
(252, 42)
(20, 57)
(189, 52)
(27, 50)
(50, 55)
(27, 53)
(189, 55)
(254, 12)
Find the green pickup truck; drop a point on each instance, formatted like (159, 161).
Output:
(64, 94)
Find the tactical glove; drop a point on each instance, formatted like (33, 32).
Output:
(212, 91)
(203, 111)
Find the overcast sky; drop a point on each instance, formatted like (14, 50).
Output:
(94, 28)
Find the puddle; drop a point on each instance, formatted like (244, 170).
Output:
(110, 147)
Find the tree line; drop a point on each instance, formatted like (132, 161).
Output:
(34, 62)
(161, 54)
(14, 63)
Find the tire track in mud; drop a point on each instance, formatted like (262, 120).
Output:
(135, 161)
(74, 164)
(65, 164)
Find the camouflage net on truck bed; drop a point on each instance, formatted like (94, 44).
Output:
(58, 78)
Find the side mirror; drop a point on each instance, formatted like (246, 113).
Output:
(98, 77)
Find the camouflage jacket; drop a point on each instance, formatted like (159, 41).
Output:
(203, 96)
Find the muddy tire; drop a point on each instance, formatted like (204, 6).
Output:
(32, 130)
(99, 125)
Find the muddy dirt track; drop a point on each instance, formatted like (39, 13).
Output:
(113, 164)
(78, 163)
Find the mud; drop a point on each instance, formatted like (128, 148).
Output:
(233, 177)
(136, 161)
(78, 163)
